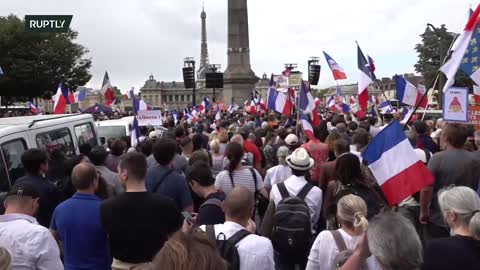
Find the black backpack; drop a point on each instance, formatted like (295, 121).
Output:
(226, 247)
(292, 228)
(375, 202)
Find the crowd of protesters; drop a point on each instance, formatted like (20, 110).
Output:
(245, 192)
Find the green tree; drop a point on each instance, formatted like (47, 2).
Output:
(431, 53)
(117, 92)
(35, 63)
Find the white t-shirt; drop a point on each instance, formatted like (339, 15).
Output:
(276, 175)
(255, 252)
(325, 249)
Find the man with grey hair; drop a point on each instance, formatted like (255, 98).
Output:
(279, 173)
(393, 242)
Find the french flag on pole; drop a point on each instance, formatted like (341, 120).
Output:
(204, 105)
(107, 90)
(307, 102)
(307, 126)
(407, 93)
(218, 115)
(465, 52)
(395, 165)
(364, 80)
(130, 94)
(59, 100)
(337, 70)
(277, 101)
(34, 108)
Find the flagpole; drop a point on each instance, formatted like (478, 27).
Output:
(433, 87)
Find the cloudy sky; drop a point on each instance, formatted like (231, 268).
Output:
(132, 39)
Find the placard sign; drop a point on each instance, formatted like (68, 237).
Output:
(474, 117)
(150, 118)
(455, 105)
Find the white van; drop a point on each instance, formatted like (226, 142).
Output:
(17, 134)
(116, 128)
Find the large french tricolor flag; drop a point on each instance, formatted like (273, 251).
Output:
(364, 80)
(395, 165)
(307, 126)
(465, 52)
(337, 70)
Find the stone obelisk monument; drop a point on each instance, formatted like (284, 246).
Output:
(239, 79)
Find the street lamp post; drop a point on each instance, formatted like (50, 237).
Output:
(441, 81)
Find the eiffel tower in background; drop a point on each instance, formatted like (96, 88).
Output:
(204, 48)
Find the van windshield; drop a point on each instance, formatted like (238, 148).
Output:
(108, 132)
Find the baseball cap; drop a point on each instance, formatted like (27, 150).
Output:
(153, 135)
(24, 189)
(291, 139)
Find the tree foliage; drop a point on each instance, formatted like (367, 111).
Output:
(434, 46)
(35, 63)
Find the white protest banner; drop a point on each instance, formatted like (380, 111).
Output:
(455, 105)
(150, 118)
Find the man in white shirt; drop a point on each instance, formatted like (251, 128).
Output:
(300, 163)
(255, 252)
(30, 245)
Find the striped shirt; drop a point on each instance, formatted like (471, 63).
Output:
(242, 177)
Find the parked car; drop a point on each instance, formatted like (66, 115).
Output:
(17, 134)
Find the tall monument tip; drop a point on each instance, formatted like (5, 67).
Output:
(239, 79)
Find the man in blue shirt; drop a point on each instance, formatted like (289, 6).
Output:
(163, 179)
(77, 224)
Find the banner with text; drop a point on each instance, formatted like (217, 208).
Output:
(150, 118)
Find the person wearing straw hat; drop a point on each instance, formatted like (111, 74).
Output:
(300, 163)
(296, 186)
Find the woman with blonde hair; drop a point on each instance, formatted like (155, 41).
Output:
(461, 209)
(223, 139)
(351, 214)
(217, 157)
(188, 252)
